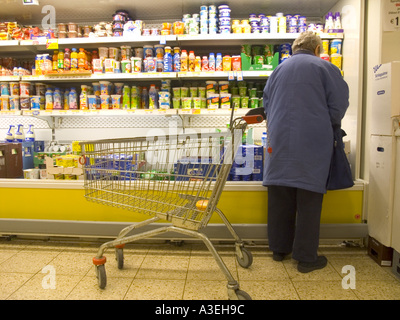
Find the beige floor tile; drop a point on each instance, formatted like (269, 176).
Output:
(155, 289)
(88, 289)
(28, 261)
(365, 268)
(10, 282)
(205, 290)
(7, 253)
(72, 263)
(40, 287)
(378, 290)
(270, 290)
(327, 273)
(132, 263)
(323, 290)
(263, 269)
(206, 268)
(163, 267)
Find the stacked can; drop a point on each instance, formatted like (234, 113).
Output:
(224, 19)
(191, 23)
(212, 20)
(264, 24)
(203, 20)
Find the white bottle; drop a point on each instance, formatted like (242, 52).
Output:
(337, 24)
(218, 62)
(10, 135)
(329, 22)
(19, 134)
(30, 134)
(211, 62)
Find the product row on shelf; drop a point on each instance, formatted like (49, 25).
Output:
(106, 95)
(209, 20)
(158, 58)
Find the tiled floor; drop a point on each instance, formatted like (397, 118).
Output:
(58, 270)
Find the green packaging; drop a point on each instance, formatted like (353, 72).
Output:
(244, 102)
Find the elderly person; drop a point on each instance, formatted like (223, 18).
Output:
(303, 98)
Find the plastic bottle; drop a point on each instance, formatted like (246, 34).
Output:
(192, 59)
(57, 99)
(73, 99)
(10, 135)
(19, 134)
(67, 60)
(211, 62)
(153, 95)
(66, 99)
(145, 99)
(82, 59)
(177, 60)
(30, 134)
(197, 64)
(184, 61)
(337, 24)
(329, 21)
(264, 140)
(61, 60)
(49, 99)
(55, 60)
(218, 62)
(204, 63)
(74, 60)
(167, 60)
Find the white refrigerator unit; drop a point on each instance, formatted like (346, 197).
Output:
(384, 178)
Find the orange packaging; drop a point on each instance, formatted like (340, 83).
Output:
(226, 63)
(236, 63)
(178, 27)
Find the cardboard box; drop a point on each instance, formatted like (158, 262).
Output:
(381, 254)
(11, 165)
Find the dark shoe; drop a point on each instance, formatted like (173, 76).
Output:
(278, 256)
(305, 267)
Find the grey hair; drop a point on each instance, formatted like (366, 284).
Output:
(307, 40)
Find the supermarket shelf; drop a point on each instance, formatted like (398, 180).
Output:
(129, 112)
(10, 78)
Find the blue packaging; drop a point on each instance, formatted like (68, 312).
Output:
(193, 168)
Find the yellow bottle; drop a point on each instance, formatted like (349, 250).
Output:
(81, 59)
(74, 60)
(61, 60)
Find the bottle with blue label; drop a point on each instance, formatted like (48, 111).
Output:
(10, 135)
(73, 99)
(57, 99)
(211, 62)
(168, 60)
(19, 134)
(30, 134)
(177, 60)
(218, 62)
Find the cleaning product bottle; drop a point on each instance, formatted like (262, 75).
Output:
(74, 60)
(167, 60)
(19, 134)
(192, 59)
(10, 135)
(218, 62)
(177, 60)
(61, 60)
(30, 134)
(55, 60)
(211, 62)
(337, 24)
(153, 101)
(184, 61)
(67, 60)
(81, 59)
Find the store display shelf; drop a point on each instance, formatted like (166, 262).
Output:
(103, 113)
(213, 112)
(9, 78)
(10, 113)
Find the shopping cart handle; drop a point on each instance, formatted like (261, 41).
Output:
(253, 119)
(258, 112)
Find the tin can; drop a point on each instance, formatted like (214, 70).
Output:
(336, 46)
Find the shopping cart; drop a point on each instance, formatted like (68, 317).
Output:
(177, 178)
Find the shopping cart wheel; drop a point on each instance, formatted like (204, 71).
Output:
(101, 276)
(247, 258)
(242, 295)
(119, 256)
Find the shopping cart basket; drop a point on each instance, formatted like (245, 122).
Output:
(177, 178)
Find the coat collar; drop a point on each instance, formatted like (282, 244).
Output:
(303, 52)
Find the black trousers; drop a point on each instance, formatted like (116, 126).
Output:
(294, 217)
